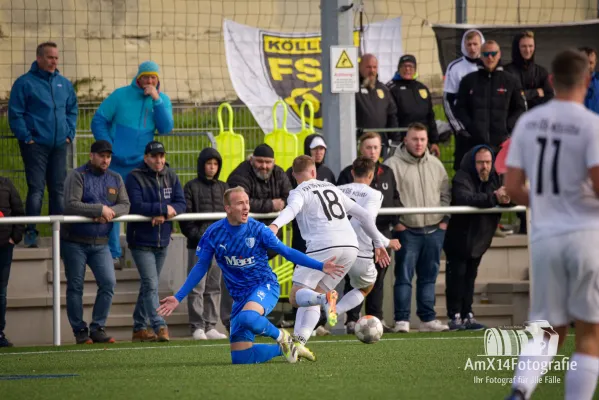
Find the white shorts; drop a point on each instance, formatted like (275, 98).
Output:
(363, 273)
(311, 278)
(565, 278)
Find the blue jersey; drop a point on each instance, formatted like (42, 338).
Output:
(241, 253)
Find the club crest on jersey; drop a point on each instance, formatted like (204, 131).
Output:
(385, 186)
(380, 93)
(250, 242)
(423, 93)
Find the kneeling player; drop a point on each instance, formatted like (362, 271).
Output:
(322, 215)
(363, 272)
(240, 245)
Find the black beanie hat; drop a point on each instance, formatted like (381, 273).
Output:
(264, 150)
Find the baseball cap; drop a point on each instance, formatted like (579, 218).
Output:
(317, 142)
(101, 146)
(407, 58)
(155, 147)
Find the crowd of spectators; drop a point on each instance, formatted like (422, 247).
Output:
(127, 172)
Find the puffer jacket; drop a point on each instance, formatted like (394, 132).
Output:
(10, 206)
(203, 195)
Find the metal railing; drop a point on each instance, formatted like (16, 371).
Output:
(57, 220)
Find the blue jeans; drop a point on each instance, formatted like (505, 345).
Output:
(44, 165)
(5, 261)
(75, 257)
(114, 240)
(420, 253)
(149, 262)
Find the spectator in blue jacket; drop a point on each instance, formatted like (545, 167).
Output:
(155, 191)
(128, 119)
(93, 191)
(42, 114)
(592, 99)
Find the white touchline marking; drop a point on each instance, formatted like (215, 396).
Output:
(227, 345)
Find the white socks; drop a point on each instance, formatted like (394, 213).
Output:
(305, 322)
(581, 379)
(350, 300)
(526, 379)
(308, 297)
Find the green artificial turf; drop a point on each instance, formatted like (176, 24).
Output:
(409, 366)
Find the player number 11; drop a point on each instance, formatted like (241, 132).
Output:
(554, 182)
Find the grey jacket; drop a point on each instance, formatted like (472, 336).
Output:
(421, 182)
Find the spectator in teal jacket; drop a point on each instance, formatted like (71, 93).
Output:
(42, 114)
(128, 119)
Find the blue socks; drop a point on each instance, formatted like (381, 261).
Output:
(258, 353)
(258, 324)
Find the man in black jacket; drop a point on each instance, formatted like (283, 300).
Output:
(533, 78)
(489, 103)
(384, 181)
(204, 195)
(375, 107)
(10, 235)
(469, 236)
(413, 100)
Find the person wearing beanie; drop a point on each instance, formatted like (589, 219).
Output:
(266, 183)
(413, 100)
(129, 119)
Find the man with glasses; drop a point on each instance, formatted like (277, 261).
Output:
(489, 103)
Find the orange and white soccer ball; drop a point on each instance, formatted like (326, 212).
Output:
(369, 329)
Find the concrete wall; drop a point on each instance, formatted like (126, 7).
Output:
(105, 40)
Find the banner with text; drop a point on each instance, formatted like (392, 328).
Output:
(267, 66)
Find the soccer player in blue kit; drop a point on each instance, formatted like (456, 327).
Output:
(240, 246)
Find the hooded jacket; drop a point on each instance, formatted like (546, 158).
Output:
(11, 205)
(488, 105)
(470, 235)
(43, 108)
(203, 195)
(422, 182)
(323, 173)
(456, 70)
(414, 104)
(128, 119)
(591, 100)
(150, 193)
(531, 76)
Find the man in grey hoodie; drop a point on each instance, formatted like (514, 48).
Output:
(422, 182)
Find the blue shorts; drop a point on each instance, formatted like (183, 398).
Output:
(267, 296)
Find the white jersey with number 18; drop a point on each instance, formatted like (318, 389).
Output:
(556, 144)
(322, 220)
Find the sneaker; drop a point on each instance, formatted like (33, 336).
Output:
(199, 334)
(322, 331)
(505, 230)
(456, 323)
(117, 263)
(433, 326)
(303, 353)
(402, 327)
(516, 394)
(213, 334)
(350, 328)
(288, 346)
(163, 334)
(82, 337)
(4, 342)
(471, 324)
(386, 328)
(100, 336)
(330, 307)
(30, 239)
(144, 335)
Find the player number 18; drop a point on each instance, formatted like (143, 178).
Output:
(329, 200)
(554, 181)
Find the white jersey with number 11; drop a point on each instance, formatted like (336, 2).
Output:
(556, 144)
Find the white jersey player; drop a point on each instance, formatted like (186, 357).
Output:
(363, 273)
(321, 211)
(556, 148)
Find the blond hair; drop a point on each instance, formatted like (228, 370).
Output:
(228, 193)
(302, 163)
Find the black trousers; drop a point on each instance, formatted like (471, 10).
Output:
(459, 285)
(374, 300)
